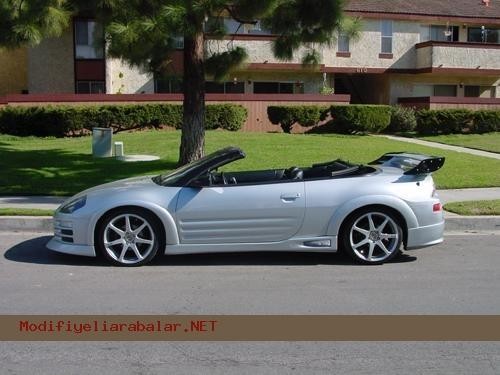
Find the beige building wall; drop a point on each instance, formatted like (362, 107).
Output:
(13, 71)
(365, 51)
(51, 67)
(402, 85)
(121, 78)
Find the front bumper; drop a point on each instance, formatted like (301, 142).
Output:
(425, 236)
(71, 236)
(56, 244)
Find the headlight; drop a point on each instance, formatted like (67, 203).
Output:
(73, 205)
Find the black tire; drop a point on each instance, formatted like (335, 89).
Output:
(372, 243)
(133, 247)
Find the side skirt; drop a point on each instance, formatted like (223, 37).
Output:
(312, 244)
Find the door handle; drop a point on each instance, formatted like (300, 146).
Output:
(287, 197)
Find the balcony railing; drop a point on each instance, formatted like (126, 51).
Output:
(458, 55)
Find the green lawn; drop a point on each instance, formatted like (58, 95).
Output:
(474, 207)
(25, 212)
(487, 142)
(65, 166)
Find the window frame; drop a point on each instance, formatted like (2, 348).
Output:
(386, 37)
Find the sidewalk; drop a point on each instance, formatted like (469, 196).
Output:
(443, 146)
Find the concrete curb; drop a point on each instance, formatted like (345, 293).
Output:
(26, 224)
(44, 223)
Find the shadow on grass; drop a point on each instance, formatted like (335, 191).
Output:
(34, 251)
(59, 172)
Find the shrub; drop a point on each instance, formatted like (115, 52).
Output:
(447, 121)
(63, 121)
(287, 116)
(225, 116)
(349, 119)
(485, 122)
(403, 119)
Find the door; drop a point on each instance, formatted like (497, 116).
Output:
(240, 213)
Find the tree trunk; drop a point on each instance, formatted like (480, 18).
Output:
(193, 122)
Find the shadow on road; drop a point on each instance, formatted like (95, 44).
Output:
(34, 251)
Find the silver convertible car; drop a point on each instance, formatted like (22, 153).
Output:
(368, 211)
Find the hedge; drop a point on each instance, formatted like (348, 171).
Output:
(403, 119)
(60, 121)
(350, 119)
(455, 121)
(288, 116)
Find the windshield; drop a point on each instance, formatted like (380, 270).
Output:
(185, 173)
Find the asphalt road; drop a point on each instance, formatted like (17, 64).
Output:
(458, 277)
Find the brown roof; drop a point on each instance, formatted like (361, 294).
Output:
(438, 8)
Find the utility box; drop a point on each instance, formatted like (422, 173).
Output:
(101, 142)
(118, 149)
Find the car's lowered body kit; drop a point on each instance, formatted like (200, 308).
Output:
(366, 210)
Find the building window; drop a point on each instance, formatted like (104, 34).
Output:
(439, 33)
(343, 43)
(386, 27)
(278, 87)
(90, 87)
(168, 85)
(479, 92)
(445, 90)
(225, 87)
(258, 29)
(88, 40)
(483, 35)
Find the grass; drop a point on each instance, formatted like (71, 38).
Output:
(64, 166)
(471, 208)
(486, 142)
(25, 212)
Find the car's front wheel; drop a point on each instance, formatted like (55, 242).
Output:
(129, 237)
(372, 236)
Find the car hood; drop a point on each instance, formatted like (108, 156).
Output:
(127, 183)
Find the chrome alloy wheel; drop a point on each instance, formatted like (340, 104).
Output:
(374, 237)
(128, 239)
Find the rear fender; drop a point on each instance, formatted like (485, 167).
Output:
(382, 200)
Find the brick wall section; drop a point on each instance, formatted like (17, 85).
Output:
(13, 71)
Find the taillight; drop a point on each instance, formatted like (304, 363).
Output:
(436, 207)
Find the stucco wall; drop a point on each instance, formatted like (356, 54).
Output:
(13, 71)
(462, 57)
(365, 51)
(401, 85)
(51, 66)
(121, 78)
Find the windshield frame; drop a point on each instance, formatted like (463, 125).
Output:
(183, 175)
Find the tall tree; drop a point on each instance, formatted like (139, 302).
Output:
(146, 32)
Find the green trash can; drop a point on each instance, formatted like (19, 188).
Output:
(101, 142)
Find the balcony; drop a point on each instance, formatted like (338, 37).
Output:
(457, 56)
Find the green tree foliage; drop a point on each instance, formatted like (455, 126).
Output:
(145, 32)
(28, 22)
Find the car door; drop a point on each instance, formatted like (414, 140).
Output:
(240, 213)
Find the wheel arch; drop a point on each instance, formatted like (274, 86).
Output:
(397, 206)
(170, 236)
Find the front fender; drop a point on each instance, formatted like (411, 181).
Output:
(172, 238)
(369, 200)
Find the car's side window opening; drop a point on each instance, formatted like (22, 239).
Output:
(328, 170)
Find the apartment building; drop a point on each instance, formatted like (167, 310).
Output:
(406, 50)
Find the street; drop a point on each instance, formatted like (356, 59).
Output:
(458, 277)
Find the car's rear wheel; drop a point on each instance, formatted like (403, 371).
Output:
(129, 237)
(372, 236)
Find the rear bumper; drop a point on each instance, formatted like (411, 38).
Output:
(425, 236)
